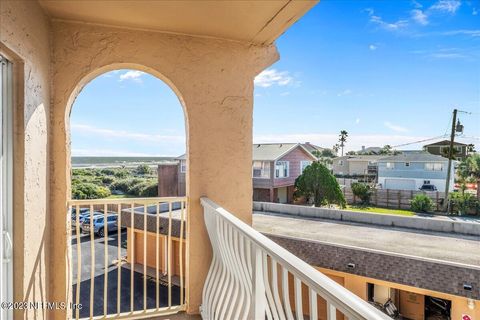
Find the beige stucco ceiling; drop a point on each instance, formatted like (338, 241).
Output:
(259, 22)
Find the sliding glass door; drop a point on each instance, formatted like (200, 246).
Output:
(6, 140)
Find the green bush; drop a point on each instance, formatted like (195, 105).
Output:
(463, 203)
(89, 191)
(122, 173)
(421, 203)
(143, 169)
(125, 185)
(144, 189)
(107, 172)
(318, 183)
(362, 191)
(108, 180)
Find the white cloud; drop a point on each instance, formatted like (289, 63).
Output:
(134, 75)
(394, 127)
(357, 121)
(448, 6)
(270, 77)
(345, 92)
(419, 16)
(391, 26)
(126, 135)
(286, 93)
(110, 153)
(467, 32)
(372, 47)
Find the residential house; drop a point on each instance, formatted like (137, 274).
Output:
(409, 171)
(441, 148)
(313, 149)
(369, 150)
(274, 170)
(356, 165)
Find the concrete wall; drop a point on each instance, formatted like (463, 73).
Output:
(415, 222)
(214, 82)
(24, 39)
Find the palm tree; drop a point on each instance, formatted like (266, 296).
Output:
(342, 138)
(470, 168)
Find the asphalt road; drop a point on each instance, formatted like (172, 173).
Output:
(112, 290)
(433, 245)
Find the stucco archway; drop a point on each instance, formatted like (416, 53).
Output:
(214, 81)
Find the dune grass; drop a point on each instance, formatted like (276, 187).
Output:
(371, 209)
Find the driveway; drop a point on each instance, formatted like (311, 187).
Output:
(113, 272)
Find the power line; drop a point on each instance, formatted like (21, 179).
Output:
(418, 141)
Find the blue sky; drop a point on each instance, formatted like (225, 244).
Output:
(388, 72)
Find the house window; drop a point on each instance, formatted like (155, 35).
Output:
(434, 166)
(303, 165)
(390, 165)
(261, 169)
(183, 166)
(426, 181)
(340, 162)
(407, 164)
(281, 169)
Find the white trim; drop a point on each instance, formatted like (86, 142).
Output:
(275, 169)
(269, 169)
(301, 165)
(6, 185)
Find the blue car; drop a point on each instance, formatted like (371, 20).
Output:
(98, 224)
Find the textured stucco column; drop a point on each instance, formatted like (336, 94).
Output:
(24, 39)
(214, 82)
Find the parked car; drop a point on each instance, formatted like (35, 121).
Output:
(428, 187)
(73, 212)
(98, 224)
(82, 216)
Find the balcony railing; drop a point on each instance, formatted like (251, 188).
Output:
(132, 274)
(252, 277)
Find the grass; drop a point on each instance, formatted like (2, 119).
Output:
(121, 196)
(370, 209)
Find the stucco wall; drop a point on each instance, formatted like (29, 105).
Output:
(214, 81)
(24, 38)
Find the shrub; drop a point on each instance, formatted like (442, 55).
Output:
(89, 191)
(108, 172)
(462, 203)
(146, 188)
(362, 191)
(108, 180)
(318, 183)
(122, 173)
(421, 203)
(143, 169)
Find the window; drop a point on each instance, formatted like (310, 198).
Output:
(434, 166)
(281, 169)
(340, 162)
(426, 181)
(390, 165)
(183, 166)
(303, 165)
(407, 164)
(261, 169)
(6, 178)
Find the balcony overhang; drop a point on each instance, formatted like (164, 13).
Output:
(257, 22)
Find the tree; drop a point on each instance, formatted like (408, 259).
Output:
(362, 191)
(327, 153)
(470, 148)
(318, 183)
(387, 149)
(342, 139)
(335, 148)
(470, 169)
(446, 152)
(351, 153)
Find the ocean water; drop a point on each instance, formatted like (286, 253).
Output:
(103, 162)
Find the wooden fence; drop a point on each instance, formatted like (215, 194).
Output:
(395, 199)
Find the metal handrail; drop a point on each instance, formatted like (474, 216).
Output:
(263, 256)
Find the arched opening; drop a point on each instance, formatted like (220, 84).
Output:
(126, 146)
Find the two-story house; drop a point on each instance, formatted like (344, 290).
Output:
(440, 148)
(409, 171)
(274, 170)
(356, 165)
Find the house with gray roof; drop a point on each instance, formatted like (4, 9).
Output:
(356, 165)
(275, 166)
(409, 171)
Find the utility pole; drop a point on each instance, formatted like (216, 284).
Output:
(450, 154)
